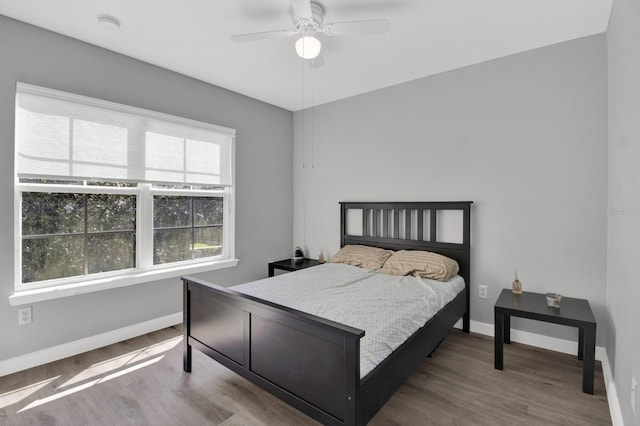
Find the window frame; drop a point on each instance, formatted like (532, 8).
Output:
(139, 121)
(145, 270)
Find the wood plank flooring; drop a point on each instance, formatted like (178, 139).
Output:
(141, 382)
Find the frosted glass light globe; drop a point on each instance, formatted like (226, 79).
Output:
(308, 47)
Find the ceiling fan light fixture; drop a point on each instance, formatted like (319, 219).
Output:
(308, 47)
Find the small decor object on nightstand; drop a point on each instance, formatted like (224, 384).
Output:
(517, 285)
(298, 255)
(321, 255)
(553, 300)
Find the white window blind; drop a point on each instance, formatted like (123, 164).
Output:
(60, 134)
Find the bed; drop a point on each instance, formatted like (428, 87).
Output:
(311, 362)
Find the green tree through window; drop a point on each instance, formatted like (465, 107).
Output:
(186, 228)
(67, 234)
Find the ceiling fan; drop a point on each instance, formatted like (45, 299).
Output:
(308, 19)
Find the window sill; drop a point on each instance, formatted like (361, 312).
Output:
(90, 286)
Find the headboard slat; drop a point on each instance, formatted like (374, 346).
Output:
(365, 221)
(376, 223)
(433, 220)
(396, 223)
(407, 224)
(419, 227)
(385, 223)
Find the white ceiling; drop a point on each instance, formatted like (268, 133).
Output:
(192, 37)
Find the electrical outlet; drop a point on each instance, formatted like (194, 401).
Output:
(634, 393)
(482, 292)
(24, 315)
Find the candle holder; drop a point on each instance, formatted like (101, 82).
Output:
(516, 287)
(553, 300)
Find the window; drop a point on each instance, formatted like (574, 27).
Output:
(186, 228)
(70, 234)
(106, 190)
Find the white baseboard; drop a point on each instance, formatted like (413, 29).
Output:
(563, 346)
(612, 393)
(33, 359)
(532, 339)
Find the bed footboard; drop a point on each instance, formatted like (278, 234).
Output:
(309, 362)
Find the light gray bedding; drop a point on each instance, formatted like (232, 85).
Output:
(389, 308)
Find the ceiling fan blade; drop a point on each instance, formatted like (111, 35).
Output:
(240, 38)
(372, 26)
(302, 8)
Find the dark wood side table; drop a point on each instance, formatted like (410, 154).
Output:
(572, 312)
(289, 265)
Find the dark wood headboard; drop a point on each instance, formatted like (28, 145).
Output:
(411, 226)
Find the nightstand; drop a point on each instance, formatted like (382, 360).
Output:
(572, 312)
(290, 265)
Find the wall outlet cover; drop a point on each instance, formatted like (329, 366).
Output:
(24, 315)
(482, 292)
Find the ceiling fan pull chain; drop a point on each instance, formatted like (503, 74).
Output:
(311, 106)
(303, 116)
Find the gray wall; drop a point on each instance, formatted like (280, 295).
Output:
(263, 177)
(524, 137)
(623, 268)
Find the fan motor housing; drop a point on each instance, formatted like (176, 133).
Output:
(317, 13)
(310, 26)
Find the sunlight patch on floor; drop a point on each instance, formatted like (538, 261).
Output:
(17, 395)
(97, 373)
(122, 360)
(39, 402)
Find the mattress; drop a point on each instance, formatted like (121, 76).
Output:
(389, 308)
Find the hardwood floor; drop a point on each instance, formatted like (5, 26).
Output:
(141, 382)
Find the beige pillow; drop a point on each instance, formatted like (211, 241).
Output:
(363, 256)
(423, 264)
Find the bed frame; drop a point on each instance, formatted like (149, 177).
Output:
(313, 363)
